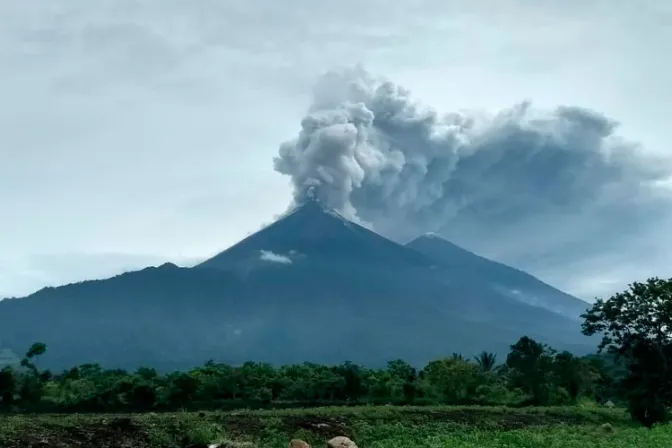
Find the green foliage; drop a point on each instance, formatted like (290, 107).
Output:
(37, 349)
(531, 370)
(643, 313)
(486, 361)
(635, 327)
(577, 376)
(368, 426)
(454, 379)
(533, 374)
(7, 387)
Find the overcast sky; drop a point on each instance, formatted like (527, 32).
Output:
(133, 133)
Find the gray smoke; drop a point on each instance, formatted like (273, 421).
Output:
(557, 181)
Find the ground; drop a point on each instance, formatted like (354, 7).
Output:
(370, 427)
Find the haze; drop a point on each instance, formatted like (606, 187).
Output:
(134, 133)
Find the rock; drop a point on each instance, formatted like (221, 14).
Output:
(341, 442)
(298, 443)
(609, 404)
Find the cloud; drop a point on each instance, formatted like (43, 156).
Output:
(267, 255)
(531, 187)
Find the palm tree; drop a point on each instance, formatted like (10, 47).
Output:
(486, 361)
(457, 357)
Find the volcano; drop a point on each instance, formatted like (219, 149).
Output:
(315, 234)
(312, 286)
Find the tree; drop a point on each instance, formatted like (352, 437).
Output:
(404, 373)
(353, 387)
(454, 379)
(611, 373)
(575, 375)
(636, 326)
(183, 387)
(486, 361)
(7, 386)
(530, 366)
(37, 349)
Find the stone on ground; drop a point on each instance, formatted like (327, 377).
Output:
(341, 442)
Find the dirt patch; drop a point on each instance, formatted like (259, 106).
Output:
(243, 424)
(322, 427)
(106, 433)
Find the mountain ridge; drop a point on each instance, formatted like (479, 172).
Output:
(331, 291)
(458, 258)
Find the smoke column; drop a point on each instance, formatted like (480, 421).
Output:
(560, 180)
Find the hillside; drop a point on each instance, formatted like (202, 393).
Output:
(310, 287)
(508, 281)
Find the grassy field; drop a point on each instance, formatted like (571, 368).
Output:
(369, 427)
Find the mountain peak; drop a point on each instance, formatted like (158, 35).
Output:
(311, 231)
(431, 235)
(432, 239)
(313, 206)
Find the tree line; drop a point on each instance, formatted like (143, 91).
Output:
(632, 368)
(532, 374)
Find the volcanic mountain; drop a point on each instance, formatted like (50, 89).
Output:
(312, 286)
(321, 234)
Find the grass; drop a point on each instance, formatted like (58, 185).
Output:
(370, 427)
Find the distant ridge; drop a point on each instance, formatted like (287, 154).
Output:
(507, 280)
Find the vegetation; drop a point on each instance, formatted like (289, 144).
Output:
(368, 426)
(637, 328)
(533, 374)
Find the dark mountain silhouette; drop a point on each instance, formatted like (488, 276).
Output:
(310, 287)
(509, 281)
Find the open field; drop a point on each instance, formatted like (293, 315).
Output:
(458, 427)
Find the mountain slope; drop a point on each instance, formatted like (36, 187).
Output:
(506, 280)
(310, 287)
(311, 231)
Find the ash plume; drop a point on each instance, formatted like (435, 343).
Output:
(560, 180)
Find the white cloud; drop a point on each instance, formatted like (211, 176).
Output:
(267, 255)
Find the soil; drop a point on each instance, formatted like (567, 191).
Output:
(104, 433)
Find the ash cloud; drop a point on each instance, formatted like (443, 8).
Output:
(526, 186)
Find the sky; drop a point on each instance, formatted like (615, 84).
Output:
(135, 133)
